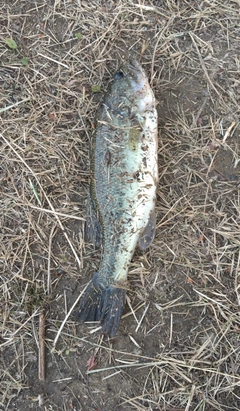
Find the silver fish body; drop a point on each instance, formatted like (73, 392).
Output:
(122, 191)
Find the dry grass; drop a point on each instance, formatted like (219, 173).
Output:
(178, 343)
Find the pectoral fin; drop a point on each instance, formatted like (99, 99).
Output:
(149, 232)
(93, 225)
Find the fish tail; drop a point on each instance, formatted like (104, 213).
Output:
(102, 302)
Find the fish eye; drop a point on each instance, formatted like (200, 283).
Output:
(119, 75)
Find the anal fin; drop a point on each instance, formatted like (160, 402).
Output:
(149, 232)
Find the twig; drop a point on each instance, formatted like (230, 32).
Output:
(228, 132)
(67, 316)
(141, 319)
(132, 310)
(171, 329)
(45, 210)
(49, 285)
(13, 105)
(150, 8)
(53, 60)
(41, 350)
(25, 322)
(195, 120)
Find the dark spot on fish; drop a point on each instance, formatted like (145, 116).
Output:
(119, 75)
(144, 148)
(145, 161)
(136, 175)
(108, 158)
(148, 185)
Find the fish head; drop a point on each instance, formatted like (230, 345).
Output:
(132, 81)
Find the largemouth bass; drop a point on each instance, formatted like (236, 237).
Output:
(124, 177)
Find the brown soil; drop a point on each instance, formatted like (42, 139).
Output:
(178, 344)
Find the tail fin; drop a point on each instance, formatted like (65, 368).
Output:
(102, 302)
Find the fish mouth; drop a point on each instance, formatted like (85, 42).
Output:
(135, 72)
(133, 67)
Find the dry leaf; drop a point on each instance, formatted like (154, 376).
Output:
(91, 363)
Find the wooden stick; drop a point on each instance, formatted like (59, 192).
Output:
(228, 132)
(41, 348)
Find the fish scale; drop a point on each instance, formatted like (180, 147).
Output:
(124, 177)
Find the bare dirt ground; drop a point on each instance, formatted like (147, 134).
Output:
(178, 346)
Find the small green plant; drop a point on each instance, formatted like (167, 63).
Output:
(13, 46)
(96, 88)
(24, 61)
(78, 36)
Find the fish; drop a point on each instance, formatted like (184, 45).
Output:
(123, 183)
